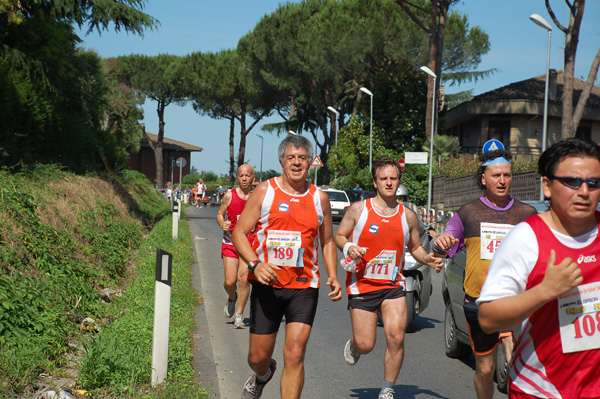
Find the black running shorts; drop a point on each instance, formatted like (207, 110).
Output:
(482, 343)
(269, 305)
(371, 301)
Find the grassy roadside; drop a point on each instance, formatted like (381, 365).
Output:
(77, 261)
(118, 361)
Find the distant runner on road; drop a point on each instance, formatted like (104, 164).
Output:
(235, 269)
(291, 216)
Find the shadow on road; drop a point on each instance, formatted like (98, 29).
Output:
(403, 391)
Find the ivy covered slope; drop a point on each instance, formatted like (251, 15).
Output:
(65, 239)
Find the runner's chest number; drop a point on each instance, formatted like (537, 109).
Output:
(284, 248)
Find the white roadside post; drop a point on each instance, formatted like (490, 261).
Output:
(162, 311)
(175, 219)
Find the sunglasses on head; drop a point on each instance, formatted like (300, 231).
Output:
(576, 182)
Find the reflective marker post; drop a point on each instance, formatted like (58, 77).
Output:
(162, 310)
(175, 219)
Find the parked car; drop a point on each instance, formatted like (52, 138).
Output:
(359, 195)
(208, 194)
(417, 276)
(339, 202)
(456, 335)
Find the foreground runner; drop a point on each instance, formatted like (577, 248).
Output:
(235, 269)
(379, 229)
(291, 216)
(480, 226)
(546, 276)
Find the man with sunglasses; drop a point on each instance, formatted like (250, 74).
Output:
(546, 276)
(480, 226)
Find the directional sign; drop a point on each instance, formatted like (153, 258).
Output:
(316, 161)
(402, 164)
(416, 157)
(492, 145)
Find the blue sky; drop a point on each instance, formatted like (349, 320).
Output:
(518, 50)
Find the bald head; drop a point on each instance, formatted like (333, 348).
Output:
(245, 176)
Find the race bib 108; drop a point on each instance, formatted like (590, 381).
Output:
(579, 318)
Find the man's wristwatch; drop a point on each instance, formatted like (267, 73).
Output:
(252, 265)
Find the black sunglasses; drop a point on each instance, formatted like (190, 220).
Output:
(576, 182)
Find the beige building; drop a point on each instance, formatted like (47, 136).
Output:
(514, 114)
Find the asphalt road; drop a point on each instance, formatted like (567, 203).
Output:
(221, 350)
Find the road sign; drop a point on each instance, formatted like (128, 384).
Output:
(416, 157)
(402, 164)
(181, 162)
(492, 145)
(316, 161)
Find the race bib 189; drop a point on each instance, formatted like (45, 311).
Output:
(579, 318)
(491, 235)
(284, 248)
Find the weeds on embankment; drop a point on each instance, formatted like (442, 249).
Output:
(65, 241)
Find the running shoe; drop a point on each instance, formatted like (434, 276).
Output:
(388, 393)
(349, 354)
(253, 388)
(230, 307)
(238, 322)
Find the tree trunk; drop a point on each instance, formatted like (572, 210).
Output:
(243, 134)
(157, 148)
(231, 152)
(570, 119)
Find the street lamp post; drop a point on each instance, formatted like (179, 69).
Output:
(330, 108)
(261, 154)
(366, 91)
(434, 76)
(538, 20)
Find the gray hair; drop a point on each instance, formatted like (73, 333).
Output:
(298, 142)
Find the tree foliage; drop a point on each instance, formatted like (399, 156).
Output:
(162, 78)
(56, 100)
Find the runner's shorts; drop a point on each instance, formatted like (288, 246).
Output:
(228, 251)
(371, 301)
(482, 343)
(269, 305)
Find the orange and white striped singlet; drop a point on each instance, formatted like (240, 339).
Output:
(288, 235)
(385, 237)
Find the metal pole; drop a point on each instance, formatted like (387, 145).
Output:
(371, 139)
(431, 152)
(261, 155)
(545, 126)
(316, 167)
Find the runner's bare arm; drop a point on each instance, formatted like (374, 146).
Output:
(224, 224)
(329, 250)
(415, 247)
(264, 272)
(504, 313)
(345, 230)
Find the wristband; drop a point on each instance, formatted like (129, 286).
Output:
(346, 247)
(439, 250)
(252, 265)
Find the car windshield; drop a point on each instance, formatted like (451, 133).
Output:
(336, 196)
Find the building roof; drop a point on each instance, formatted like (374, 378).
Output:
(533, 89)
(170, 144)
(525, 97)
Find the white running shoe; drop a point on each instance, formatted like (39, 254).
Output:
(253, 388)
(230, 307)
(388, 393)
(349, 354)
(238, 321)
